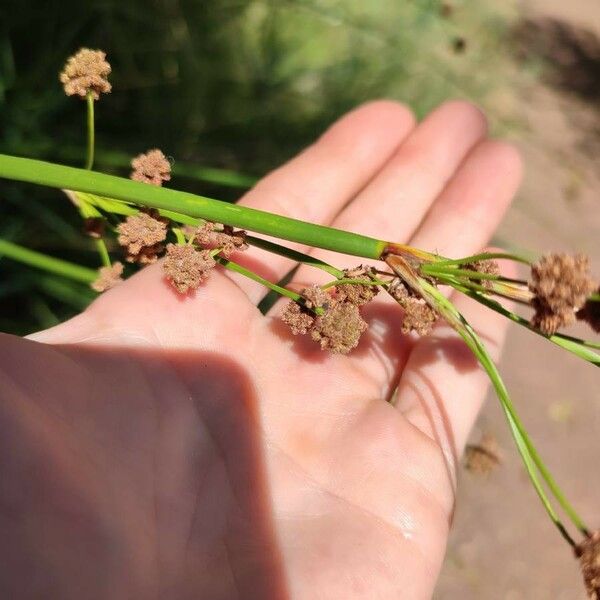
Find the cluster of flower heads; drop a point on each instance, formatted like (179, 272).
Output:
(143, 236)
(86, 72)
(332, 317)
(561, 285)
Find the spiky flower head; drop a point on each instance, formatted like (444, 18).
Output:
(217, 235)
(418, 315)
(561, 284)
(297, 318)
(108, 277)
(358, 293)
(86, 71)
(152, 167)
(185, 267)
(339, 328)
(588, 553)
(141, 235)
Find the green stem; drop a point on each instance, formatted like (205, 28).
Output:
(46, 263)
(440, 303)
(237, 268)
(103, 252)
(89, 163)
(483, 256)
(319, 236)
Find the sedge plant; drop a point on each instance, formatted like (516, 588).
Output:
(143, 220)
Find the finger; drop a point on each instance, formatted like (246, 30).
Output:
(146, 311)
(391, 207)
(464, 217)
(316, 184)
(393, 204)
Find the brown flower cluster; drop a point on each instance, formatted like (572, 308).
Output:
(588, 553)
(339, 325)
(108, 277)
(489, 267)
(142, 236)
(590, 313)
(86, 71)
(217, 235)
(482, 458)
(153, 167)
(357, 293)
(561, 284)
(185, 267)
(418, 315)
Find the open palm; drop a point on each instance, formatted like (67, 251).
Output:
(159, 446)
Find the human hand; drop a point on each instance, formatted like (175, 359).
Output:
(160, 446)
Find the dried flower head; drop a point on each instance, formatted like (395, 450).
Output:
(590, 313)
(153, 167)
(297, 318)
(418, 315)
(339, 328)
(483, 457)
(142, 235)
(316, 297)
(217, 235)
(108, 277)
(588, 553)
(489, 267)
(86, 71)
(358, 293)
(561, 284)
(185, 267)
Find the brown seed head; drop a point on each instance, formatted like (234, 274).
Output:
(185, 267)
(216, 235)
(357, 293)
(588, 553)
(339, 328)
(561, 284)
(489, 267)
(142, 235)
(418, 315)
(316, 297)
(152, 167)
(86, 71)
(297, 318)
(483, 457)
(108, 277)
(590, 313)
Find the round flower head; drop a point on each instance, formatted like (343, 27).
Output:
(86, 71)
(561, 284)
(108, 277)
(152, 167)
(142, 235)
(185, 267)
(339, 328)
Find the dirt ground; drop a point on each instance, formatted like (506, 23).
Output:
(502, 545)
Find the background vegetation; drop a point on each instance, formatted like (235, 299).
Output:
(240, 85)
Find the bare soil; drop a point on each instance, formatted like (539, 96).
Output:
(502, 545)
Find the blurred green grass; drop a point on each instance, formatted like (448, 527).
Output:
(241, 85)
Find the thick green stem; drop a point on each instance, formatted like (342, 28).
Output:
(318, 236)
(46, 263)
(91, 135)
